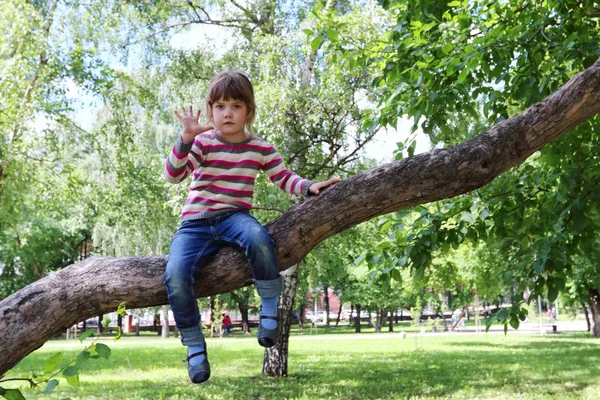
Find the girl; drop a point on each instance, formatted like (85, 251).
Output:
(224, 161)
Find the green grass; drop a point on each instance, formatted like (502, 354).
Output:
(347, 366)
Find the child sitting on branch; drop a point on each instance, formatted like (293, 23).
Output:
(224, 161)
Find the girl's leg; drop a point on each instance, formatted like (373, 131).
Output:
(191, 246)
(246, 232)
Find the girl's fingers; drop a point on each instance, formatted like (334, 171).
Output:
(182, 110)
(198, 114)
(177, 114)
(191, 112)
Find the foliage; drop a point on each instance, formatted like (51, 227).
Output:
(69, 368)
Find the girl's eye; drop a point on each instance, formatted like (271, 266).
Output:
(219, 106)
(238, 106)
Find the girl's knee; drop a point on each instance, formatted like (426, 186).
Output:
(177, 276)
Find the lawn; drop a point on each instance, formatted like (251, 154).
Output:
(344, 366)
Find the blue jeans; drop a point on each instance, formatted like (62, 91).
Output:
(197, 240)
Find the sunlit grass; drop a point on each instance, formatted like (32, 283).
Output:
(366, 366)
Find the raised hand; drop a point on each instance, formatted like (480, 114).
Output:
(190, 124)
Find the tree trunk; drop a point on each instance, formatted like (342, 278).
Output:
(326, 305)
(301, 316)
(137, 326)
(100, 327)
(337, 321)
(587, 317)
(391, 326)
(378, 319)
(595, 307)
(165, 321)
(275, 362)
(351, 313)
(357, 319)
(244, 313)
(460, 317)
(242, 301)
(37, 312)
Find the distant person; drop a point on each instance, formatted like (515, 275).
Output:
(554, 314)
(223, 162)
(549, 315)
(227, 325)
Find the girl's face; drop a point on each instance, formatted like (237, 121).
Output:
(230, 119)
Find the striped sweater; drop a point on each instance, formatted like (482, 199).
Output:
(224, 173)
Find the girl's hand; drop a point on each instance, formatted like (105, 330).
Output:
(315, 188)
(190, 124)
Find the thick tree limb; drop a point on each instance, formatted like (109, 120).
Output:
(97, 285)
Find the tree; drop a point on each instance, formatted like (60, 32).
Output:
(441, 173)
(446, 66)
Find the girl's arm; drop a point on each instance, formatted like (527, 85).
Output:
(289, 181)
(186, 155)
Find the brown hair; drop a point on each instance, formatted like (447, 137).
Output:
(232, 85)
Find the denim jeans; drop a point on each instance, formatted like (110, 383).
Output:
(197, 240)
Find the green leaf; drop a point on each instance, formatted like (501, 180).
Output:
(12, 394)
(316, 43)
(118, 336)
(71, 371)
(454, 4)
(121, 310)
(360, 259)
(51, 385)
(468, 217)
(514, 322)
(538, 267)
(332, 34)
(483, 214)
(73, 380)
(524, 243)
(103, 350)
(86, 334)
(463, 74)
(82, 359)
(552, 294)
(488, 324)
(447, 48)
(53, 362)
(396, 275)
(411, 148)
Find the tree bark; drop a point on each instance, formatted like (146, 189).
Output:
(337, 320)
(242, 302)
(391, 325)
(244, 313)
(34, 314)
(357, 319)
(164, 310)
(595, 307)
(378, 319)
(587, 317)
(275, 361)
(326, 305)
